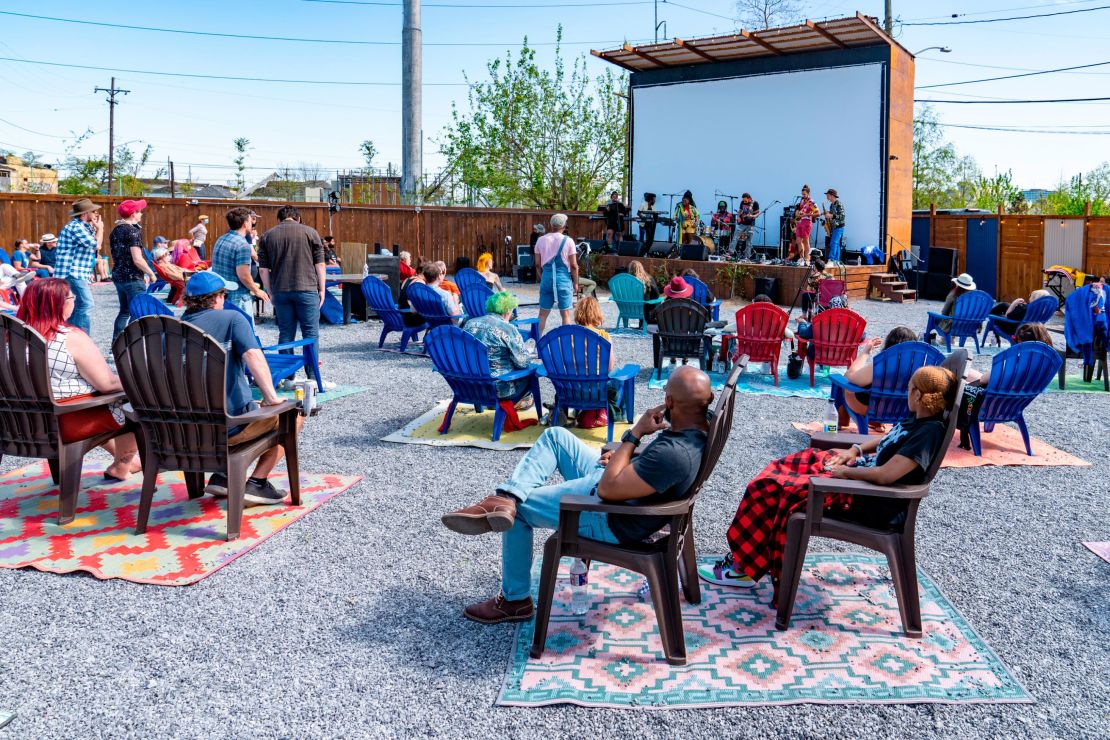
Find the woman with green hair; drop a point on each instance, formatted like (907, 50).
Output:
(503, 343)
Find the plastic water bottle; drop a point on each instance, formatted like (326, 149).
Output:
(365, 269)
(644, 591)
(579, 588)
(830, 422)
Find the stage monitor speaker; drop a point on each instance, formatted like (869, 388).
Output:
(597, 245)
(767, 286)
(661, 249)
(694, 252)
(629, 249)
(524, 255)
(944, 260)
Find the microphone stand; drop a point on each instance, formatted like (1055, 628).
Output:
(763, 215)
(670, 215)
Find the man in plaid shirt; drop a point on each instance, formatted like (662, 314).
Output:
(78, 245)
(231, 258)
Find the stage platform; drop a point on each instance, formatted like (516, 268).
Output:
(716, 275)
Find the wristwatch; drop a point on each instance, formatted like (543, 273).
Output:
(630, 438)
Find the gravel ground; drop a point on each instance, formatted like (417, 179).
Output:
(348, 623)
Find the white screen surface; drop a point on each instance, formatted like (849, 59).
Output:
(766, 135)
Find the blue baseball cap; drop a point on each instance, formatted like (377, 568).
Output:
(206, 282)
(161, 240)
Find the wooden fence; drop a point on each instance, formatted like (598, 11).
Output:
(429, 233)
(1025, 246)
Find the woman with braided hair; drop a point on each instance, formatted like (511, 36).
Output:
(757, 536)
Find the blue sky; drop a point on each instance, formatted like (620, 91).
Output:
(195, 120)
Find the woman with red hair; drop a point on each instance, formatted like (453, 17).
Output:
(77, 371)
(185, 256)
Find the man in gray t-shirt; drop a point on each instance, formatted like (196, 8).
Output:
(663, 471)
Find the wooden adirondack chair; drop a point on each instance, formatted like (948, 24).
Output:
(837, 333)
(628, 293)
(463, 361)
(890, 379)
(760, 328)
(966, 320)
(680, 333)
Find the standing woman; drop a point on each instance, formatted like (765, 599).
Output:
(557, 262)
(687, 219)
(130, 271)
(199, 235)
(806, 211)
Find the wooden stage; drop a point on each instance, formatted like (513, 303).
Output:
(719, 275)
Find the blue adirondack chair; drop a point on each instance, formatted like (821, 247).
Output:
(628, 293)
(463, 361)
(469, 277)
(145, 304)
(380, 298)
(1037, 312)
(968, 316)
(474, 299)
(576, 361)
(158, 284)
(285, 365)
(890, 379)
(701, 295)
(429, 305)
(1019, 374)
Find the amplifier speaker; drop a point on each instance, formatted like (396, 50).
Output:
(629, 249)
(943, 260)
(661, 249)
(694, 252)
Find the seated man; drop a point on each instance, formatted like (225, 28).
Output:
(663, 472)
(433, 276)
(204, 303)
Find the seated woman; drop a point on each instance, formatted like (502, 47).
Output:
(678, 288)
(757, 535)
(172, 274)
(812, 287)
(651, 288)
(976, 381)
(485, 269)
(587, 313)
(410, 317)
(445, 284)
(1010, 315)
(405, 267)
(859, 372)
(77, 371)
(690, 272)
(506, 353)
(185, 256)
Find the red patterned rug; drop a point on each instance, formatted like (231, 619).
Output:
(184, 543)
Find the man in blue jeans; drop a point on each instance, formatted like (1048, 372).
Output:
(835, 214)
(78, 245)
(663, 472)
(292, 266)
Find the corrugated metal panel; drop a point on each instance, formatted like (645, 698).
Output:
(1063, 242)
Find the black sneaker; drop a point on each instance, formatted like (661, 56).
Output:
(217, 485)
(263, 494)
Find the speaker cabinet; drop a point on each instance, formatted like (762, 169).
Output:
(629, 249)
(694, 252)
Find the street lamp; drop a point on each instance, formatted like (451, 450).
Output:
(941, 49)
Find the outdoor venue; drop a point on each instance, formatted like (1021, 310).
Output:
(365, 452)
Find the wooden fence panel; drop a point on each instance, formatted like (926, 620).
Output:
(1021, 254)
(1097, 260)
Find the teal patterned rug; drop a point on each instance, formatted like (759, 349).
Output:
(757, 381)
(845, 646)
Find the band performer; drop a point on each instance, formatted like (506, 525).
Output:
(687, 219)
(647, 225)
(804, 214)
(745, 218)
(614, 211)
(722, 224)
(834, 217)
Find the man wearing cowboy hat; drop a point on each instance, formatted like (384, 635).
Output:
(835, 216)
(78, 246)
(47, 254)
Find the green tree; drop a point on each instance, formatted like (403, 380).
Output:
(940, 174)
(987, 193)
(538, 137)
(1072, 197)
(240, 160)
(83, 175)
(368, 152)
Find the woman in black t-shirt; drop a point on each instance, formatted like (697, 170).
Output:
(757, 536)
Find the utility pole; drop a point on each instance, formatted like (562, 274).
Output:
(411, 104)
(888, 24)
(112, 91)
(173, 189)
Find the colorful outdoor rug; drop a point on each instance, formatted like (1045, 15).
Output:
(184, 543)
(321, 398)
(845, 646)
(470, 429)
(758, 382)
(1076, 384)
(1002, 447)
(1102, 549)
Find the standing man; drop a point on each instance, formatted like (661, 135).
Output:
(835, 215)
(231, 259)
(745, 217)
(199, 234)
(130, 270)
(291, 265)
(78, 245)
(722, 224)
(647, 225)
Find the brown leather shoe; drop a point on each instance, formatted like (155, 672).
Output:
(499, 609)
(491, 514)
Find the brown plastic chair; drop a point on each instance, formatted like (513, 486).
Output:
(174, 375)
(667, 562)
(680, 333)
(896, 543)
(29, 414)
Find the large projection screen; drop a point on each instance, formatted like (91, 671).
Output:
(767, 135)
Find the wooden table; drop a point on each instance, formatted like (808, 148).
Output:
(353, 300)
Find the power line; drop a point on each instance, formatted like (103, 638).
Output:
(1013, 77)
(223, 77)
(1003, 102)
(699, 10)
(1023, 130)
(1011, 18)
(296, 39)
(511, 6)
(41, 133)
(995, 66)
(1000, 10)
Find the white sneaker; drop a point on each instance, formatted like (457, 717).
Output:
(286, 385)
(724, 573)
(328, 386)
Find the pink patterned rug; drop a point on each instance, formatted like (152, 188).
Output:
(1102, 549)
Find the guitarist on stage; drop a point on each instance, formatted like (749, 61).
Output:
(804, 214)
(834, 223)
(745, 217)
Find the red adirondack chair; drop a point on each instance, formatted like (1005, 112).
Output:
(837, 334)
(759, 332)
